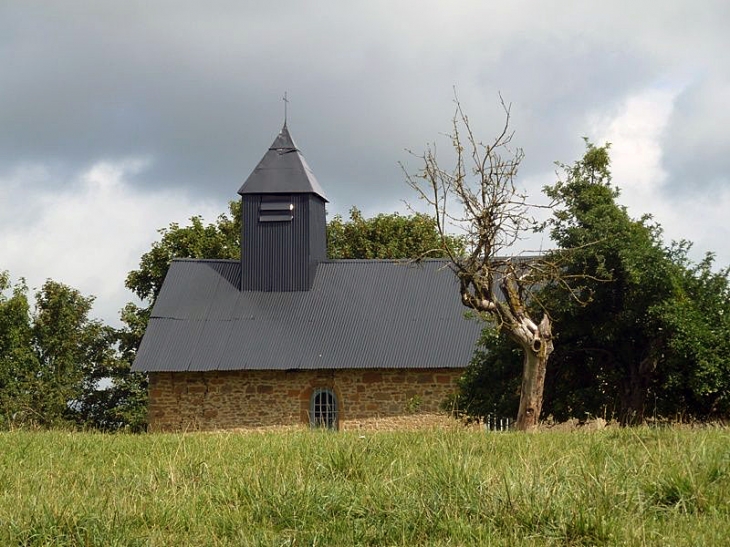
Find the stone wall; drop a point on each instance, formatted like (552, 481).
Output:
(369, 398)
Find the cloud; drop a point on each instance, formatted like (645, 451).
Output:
(637, 133)
(697, 140)
(91, 230)
(634, 130)
(197, 88)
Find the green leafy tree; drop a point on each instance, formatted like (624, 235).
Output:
(17, 358)
(48, 354)
(220, 239)
(70, 348)
(693, 380)
(614, 336)
(490, 386)
(113, 398)
(386, 236)
(650, 337)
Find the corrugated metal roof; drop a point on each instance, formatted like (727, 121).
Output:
(282, 170)
(358, 314)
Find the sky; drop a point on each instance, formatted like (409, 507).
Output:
(118, 118)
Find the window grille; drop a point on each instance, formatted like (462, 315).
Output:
(323, 409)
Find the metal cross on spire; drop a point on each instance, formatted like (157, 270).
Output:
(286, 104)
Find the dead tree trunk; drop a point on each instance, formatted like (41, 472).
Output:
(511, 316)
(535, 358)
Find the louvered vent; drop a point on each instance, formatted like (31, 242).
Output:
(276, 209)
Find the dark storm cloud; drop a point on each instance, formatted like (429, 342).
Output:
(196, 90)
(554, 85)
(696, 141)
(151, 111)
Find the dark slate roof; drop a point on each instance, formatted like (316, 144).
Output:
(282, 170)
(358, 314)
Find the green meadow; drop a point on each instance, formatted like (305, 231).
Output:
(643, 486)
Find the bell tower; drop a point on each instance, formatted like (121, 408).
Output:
(283, 228)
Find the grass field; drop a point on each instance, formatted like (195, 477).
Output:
(612, 487)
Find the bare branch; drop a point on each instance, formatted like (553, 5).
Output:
(480, 198)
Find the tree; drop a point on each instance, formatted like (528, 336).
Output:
(48, 354)
(648, 339)
(17, 359)
(385, 236)
(494, 215)
(657, 325)
(114, 398)
(618, 340)
(693, 379)
(66, 344)
(490, 386)
(219, 240)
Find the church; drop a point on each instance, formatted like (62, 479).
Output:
(287, 338)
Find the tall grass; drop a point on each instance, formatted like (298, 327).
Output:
(613, 487)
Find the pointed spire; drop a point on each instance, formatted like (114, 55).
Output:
(282, 170)
(283, 143)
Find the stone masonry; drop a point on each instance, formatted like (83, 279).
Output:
(251, 399)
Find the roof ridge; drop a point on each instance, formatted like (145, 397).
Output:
(328, 260)
(192, 259)
(383, 260)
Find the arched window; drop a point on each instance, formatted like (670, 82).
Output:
(323, 409)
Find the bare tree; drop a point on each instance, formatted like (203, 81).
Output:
(479, 196)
